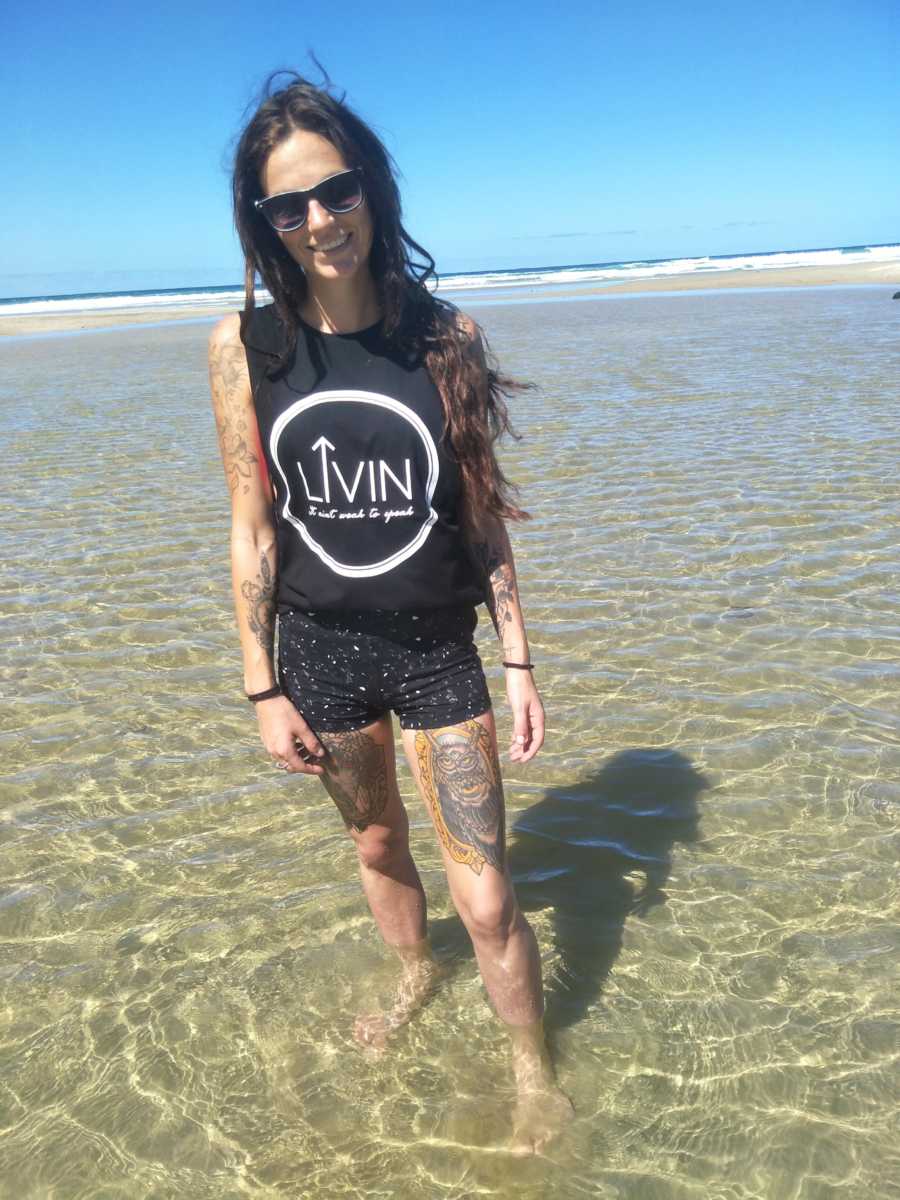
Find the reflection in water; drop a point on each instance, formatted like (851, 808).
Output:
(577, 852)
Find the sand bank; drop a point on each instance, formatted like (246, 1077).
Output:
(887, 273)
(111, 319)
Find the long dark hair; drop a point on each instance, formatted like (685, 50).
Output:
(455, 353)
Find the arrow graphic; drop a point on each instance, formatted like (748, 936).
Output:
(324, 445)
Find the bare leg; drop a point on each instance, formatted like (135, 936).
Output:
(458, 774)
(360, 776)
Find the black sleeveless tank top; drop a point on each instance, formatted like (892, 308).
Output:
(366, 492)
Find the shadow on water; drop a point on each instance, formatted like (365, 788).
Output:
(594, 854)
(578, 850)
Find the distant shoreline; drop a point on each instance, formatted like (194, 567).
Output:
(884, 273)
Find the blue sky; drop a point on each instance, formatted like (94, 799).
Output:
(527, 134)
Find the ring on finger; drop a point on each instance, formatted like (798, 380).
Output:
(282, 765)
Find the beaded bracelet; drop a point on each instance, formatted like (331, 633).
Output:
(266, 695)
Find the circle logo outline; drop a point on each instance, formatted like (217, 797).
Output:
(358, 397)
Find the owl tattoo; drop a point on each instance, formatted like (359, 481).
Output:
(461, 780)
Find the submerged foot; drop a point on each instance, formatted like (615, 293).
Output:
(538, 1118)
(418, 983)
(542, 1107)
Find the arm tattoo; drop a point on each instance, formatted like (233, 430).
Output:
(260, 596)
(355, 777)
(228, 379)
(501, 584)
(503, 591)
(460, 777)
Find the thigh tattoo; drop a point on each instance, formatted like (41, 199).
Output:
(461, 781)
(355, 777)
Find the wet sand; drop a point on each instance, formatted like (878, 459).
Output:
(887, 273)
(776, 277)
(113, 318)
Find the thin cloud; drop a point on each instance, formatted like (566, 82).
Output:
(531, 237)
(744, 224)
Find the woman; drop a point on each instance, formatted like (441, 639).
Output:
(356, 418)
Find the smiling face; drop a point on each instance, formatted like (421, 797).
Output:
(330, 247)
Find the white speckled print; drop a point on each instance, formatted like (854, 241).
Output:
(343, 670)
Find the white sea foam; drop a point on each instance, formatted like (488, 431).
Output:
(117, 304)
(674, 266)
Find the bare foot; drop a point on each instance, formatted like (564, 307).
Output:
(371, 1030)
(542, 1107)
(418, 983)
(538, 1118)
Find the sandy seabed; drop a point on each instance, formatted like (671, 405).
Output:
(887, 273)
(706, 846)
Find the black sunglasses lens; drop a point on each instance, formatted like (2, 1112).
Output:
(286, 212)
(343, 193)
(340, 194)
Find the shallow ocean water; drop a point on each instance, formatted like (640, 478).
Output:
(707, 846)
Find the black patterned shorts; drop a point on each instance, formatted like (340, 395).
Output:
(343, 670)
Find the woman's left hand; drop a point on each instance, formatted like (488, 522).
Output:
(528, 715)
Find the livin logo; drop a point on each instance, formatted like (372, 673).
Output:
(323, 445)
(369, 479)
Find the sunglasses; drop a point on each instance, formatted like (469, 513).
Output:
(287, 211)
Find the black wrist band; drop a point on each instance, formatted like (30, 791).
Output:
(520, 666)
(266, 695)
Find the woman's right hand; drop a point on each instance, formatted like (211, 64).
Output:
(288, 738)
